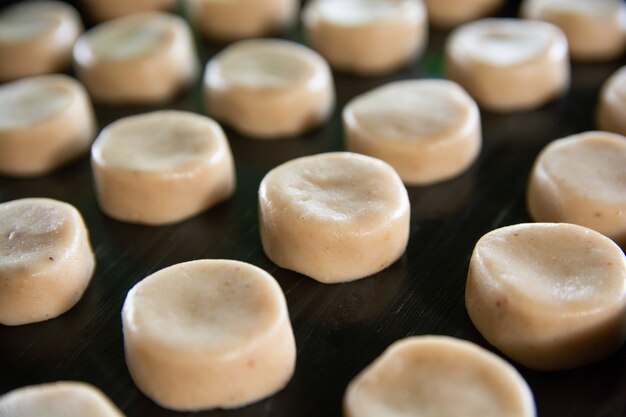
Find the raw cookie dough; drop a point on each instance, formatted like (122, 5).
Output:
(37, 37)
(611, 112)
(428, 130)
(549, 295)
(334, 217)
(111, 9)
(438, 376)
(448, 13)
(58, 399)
(595, 29)
(144, 57)
(509, 64)
(208, 333)
(581, 179)
(45, 121)
(161, 167)
(268, 88)
(367, 37)
(238, 19)
(46, 260)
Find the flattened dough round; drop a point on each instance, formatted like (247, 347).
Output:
(237, 19)
(144, 57)
(549, 295)
(269, 88)
(428, 130)
(36, 37)
(581, 179)
(438, 376)
(611, 111)
(46, 260)
(111, 9)
(208, 333)
(509, 64)
(334, 217)
(161, 167)
(66, 399)
(367, 37)
(45, 121)
(448, 13)
(595, 29)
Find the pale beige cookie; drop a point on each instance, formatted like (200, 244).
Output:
(366, 36)
(334, 217)
(438, 376)
(144, 57)
(36, 37)
(595, 29)
(58, 399)
(207, 334)
(111, 9)
(45, 121)
(161, 167)
(549, 295)
(238, 19)
(509, 64)
(428, 130)
(268, 88)
(611, 110)
(581, 179)
(448, 13)
(46, 260)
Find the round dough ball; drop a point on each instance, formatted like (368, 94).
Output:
(208, 333)
(549, 295)
(449, 13)
(161, 167)
(268, 88)
(366, 37)
(237, 19)
(509, 64)
(428, 130)
(611, 112)
(67, 399)
(111, 9)
(581, 179)
(141, 58)
(438, 376)
(36, 37)
(595, 29)
(334, 217)
(45, 121)
(46, 260)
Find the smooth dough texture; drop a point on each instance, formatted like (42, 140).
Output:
(36, 37)
(428, 130)
(268, 88)
(366, 36)
(581, 179)
(438, 376)
(45, 121)
(509, 64)
(161, 167)
(58, 399)
(334, 217)
(237, 19)
(611, 110)
(208, 333)
(46, 260)
(549, 295)
(448, 13)
(595, 29)
(111, 9)
(143, 57)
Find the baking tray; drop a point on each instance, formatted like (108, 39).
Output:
(339, 328)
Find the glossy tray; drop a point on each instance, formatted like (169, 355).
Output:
(341, 328)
